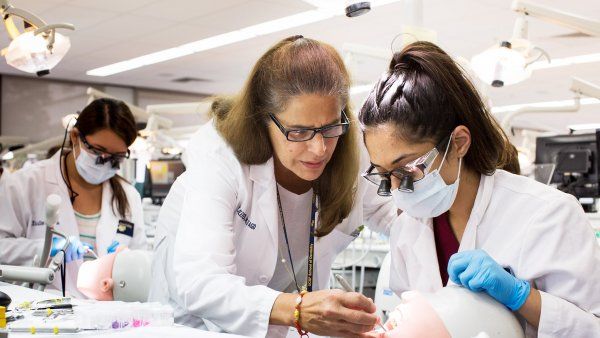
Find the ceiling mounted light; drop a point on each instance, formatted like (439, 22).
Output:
(30, 53)
(501, 65)
(354, 9)
(38, 48)
(509, 62)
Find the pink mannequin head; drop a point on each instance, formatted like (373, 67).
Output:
(415, 318)
(95, 277)
(452, 311)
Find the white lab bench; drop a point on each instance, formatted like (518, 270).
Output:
(20, 294)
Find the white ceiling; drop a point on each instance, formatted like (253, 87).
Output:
(109, 31)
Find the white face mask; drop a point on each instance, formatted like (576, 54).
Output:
(90, 171)
(431, 197)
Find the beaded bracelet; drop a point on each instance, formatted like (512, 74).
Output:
(301, 332)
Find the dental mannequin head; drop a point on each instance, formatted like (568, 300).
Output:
(451, 312)
(94, 278)
(123, 275)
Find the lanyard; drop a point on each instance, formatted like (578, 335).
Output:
(311, 243)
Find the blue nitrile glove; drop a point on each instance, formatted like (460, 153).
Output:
(477, 271)
(57, 244)
(75, 250)
(112, 247)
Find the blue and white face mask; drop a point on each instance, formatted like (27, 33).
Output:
(431, 196)
(90, 171)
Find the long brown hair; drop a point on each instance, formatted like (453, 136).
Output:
(113, 115)
(426, 95)
(293, 67)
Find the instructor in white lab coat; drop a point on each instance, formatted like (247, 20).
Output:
(527, 245)
(100, 210)
(276, 171)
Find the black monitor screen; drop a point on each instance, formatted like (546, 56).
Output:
(576, 160)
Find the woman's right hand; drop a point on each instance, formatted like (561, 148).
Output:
(337, 313)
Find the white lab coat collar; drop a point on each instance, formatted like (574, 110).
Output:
(482, 201)
(423, 250)
(66, 218)
(264, 177)
(53, 174)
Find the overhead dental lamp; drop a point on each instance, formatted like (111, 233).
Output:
(507, 62)
(38, 48)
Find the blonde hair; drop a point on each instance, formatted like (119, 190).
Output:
(293, 67)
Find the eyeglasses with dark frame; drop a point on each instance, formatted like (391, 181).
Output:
(103, 156)
(305, 134)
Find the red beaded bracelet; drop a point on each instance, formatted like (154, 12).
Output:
(301, 332)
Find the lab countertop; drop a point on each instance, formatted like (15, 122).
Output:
(20, 294)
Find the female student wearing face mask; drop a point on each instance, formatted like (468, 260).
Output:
(99, 209)
(468, 217)
(271, 195)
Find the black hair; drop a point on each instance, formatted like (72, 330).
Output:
(426, 95)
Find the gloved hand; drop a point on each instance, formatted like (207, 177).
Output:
(112, 247)
(477, 271)
(74, 251)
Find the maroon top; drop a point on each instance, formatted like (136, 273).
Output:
(446, 243)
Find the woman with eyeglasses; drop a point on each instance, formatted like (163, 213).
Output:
(248, 234)
(100, 210)
(469, 218)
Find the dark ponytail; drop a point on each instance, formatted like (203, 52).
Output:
(426, 95)
(113, 115)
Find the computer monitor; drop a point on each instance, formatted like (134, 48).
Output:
(163, 174)
(577, 165)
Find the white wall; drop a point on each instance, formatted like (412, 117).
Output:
(34, 107)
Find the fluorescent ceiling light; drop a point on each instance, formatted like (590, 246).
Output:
(568, 61)
(585, 126)
(324, 11)
(547, 104)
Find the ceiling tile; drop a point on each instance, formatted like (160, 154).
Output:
(183, 10)
(81, 17)
(119, 6)
(127, 26)
(237, 16)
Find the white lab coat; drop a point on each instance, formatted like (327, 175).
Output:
(22, 215)
(542, 234)
(217, 240)
(4, 175)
